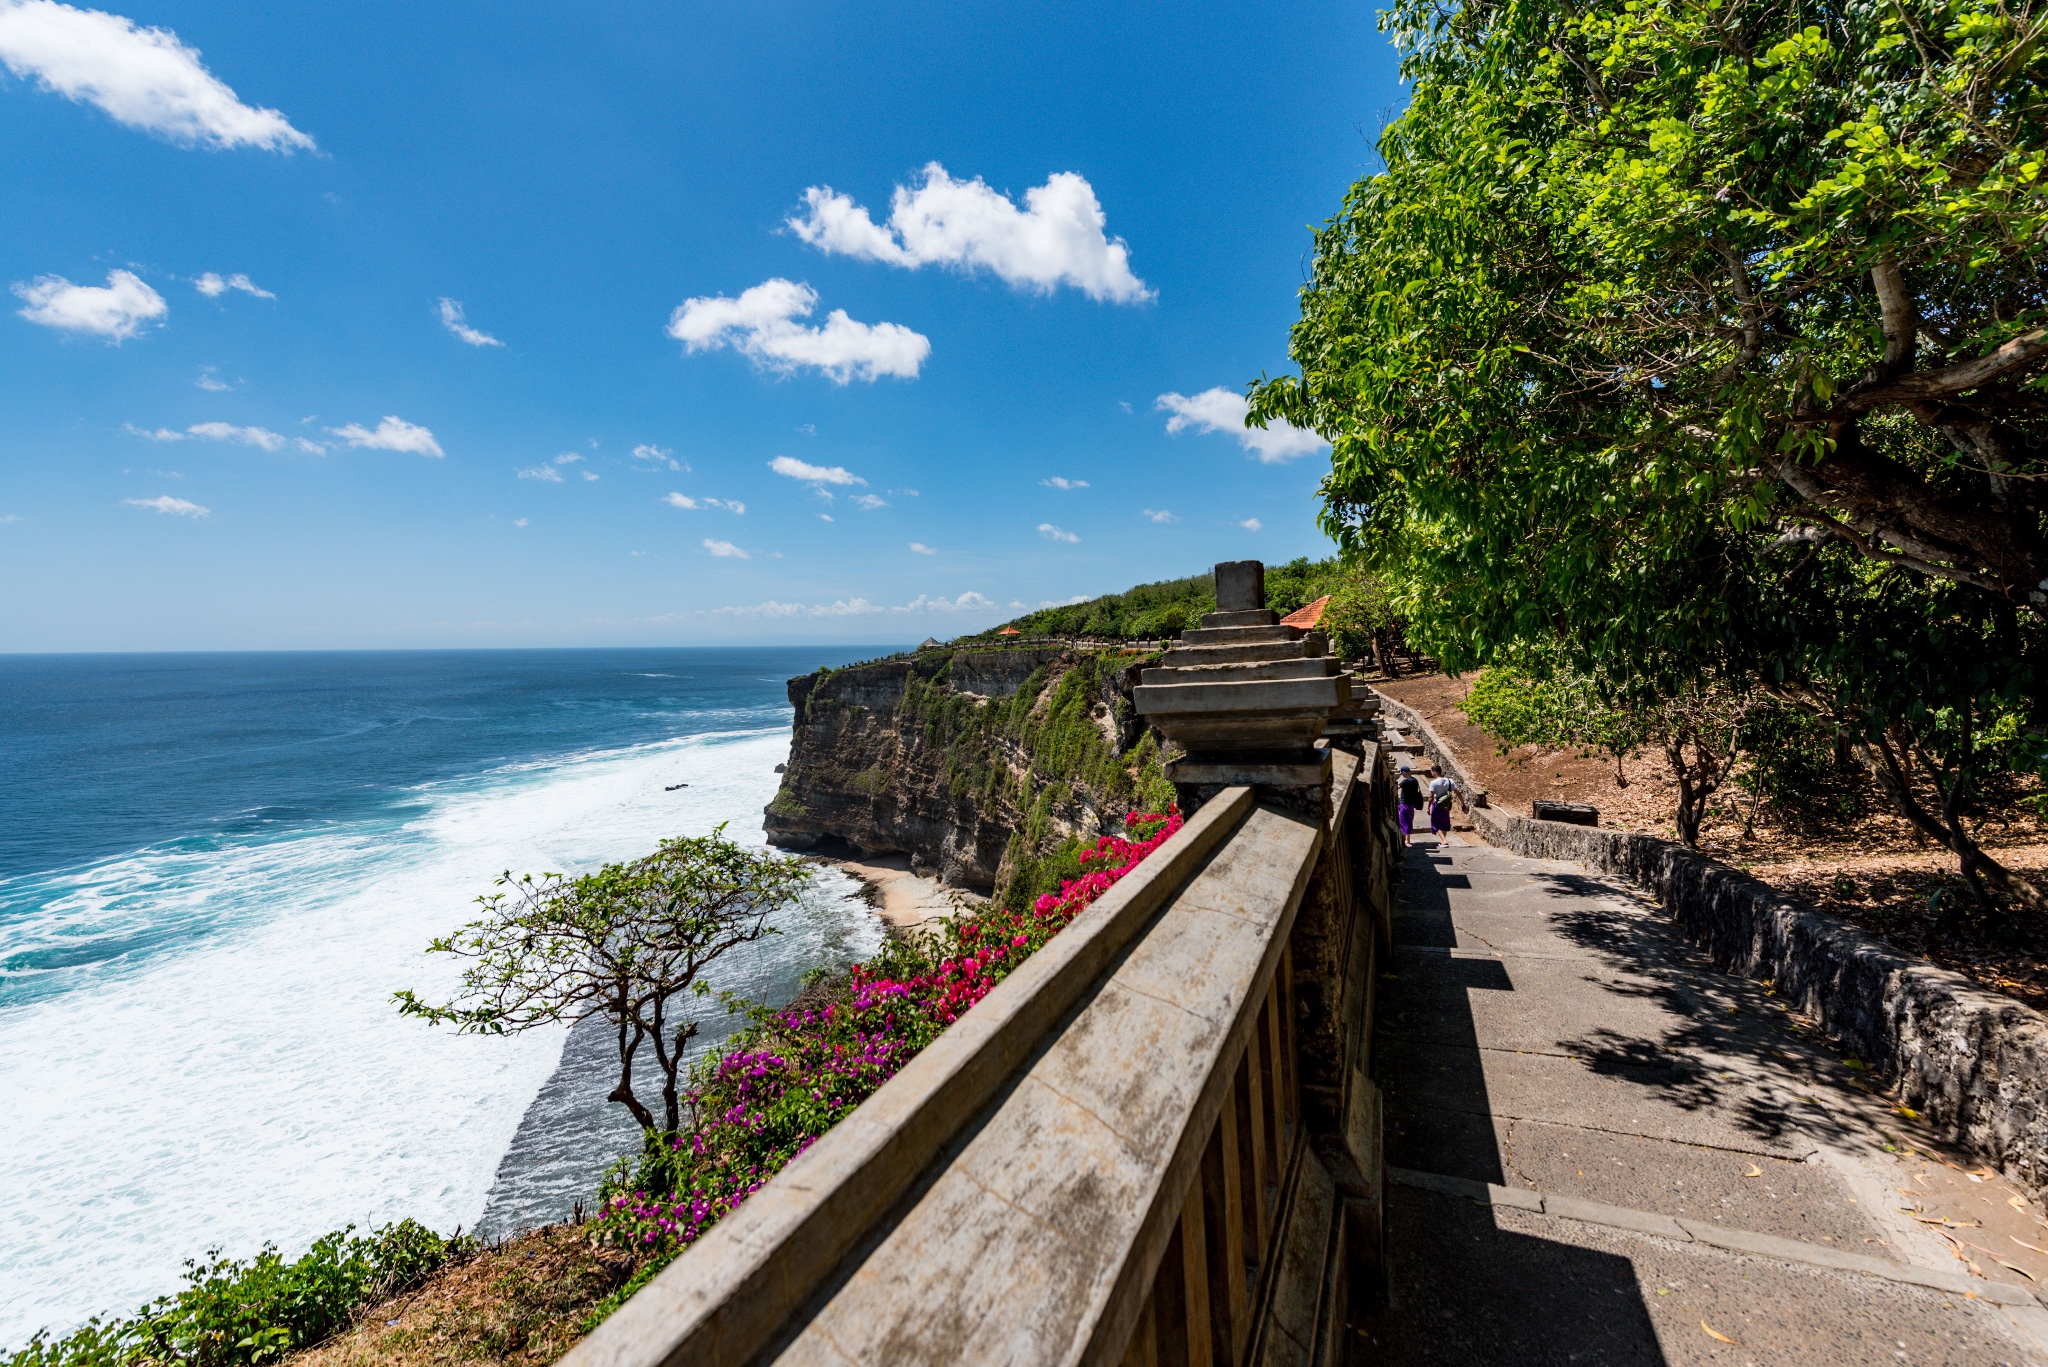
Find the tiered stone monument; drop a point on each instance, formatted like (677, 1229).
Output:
(1244, 696)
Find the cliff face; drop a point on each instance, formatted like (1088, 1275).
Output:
(992, 768)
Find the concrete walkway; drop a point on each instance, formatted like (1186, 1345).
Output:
(1603, 1151)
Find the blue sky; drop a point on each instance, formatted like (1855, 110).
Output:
(340, 326)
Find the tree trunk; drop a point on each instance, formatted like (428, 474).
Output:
(1979, 870)
(623, 1093)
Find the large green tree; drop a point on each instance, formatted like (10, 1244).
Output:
(1711, 341)
(1640, 271)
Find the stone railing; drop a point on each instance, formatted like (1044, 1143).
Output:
(1155, 1142)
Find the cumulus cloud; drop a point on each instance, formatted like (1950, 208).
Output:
(1048, 530)
(116, 310)
(143, 77)
(813, 474)
(683, 501)
(1220, 410)
(214, 286)
(211, 383)
(824, 517)
(160, 434)
(546, 474)
(1160, 515)
(1252, 524)
(248, 436)
(1062, 482)
(761, 324)
(725, 550)
(311, 448)
(451, 318)
(922, 549)
(519, 522)
(870, 502)
(731, 505)
(1056, 239)
(164, 503)
(392, 434)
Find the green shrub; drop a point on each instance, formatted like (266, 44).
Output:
(235, 1314)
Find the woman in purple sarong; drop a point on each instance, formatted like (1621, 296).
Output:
(1410, 801)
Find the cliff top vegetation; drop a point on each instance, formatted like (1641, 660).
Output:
(1152, 612)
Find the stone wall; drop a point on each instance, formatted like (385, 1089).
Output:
(1975, 1064)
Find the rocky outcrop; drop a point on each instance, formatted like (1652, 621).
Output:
(981, 765)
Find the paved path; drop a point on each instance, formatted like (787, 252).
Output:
(1603, 1151)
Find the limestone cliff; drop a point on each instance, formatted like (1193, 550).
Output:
(990, 767)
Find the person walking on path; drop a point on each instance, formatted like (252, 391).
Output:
(1410, 802)
(1442, 788)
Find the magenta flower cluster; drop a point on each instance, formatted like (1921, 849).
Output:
(797, 1072)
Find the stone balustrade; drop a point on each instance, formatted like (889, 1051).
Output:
(1154, 1143)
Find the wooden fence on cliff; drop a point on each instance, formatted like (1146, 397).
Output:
(1154, 1143)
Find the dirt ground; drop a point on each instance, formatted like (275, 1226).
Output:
(1875, 872)
(522, 1303)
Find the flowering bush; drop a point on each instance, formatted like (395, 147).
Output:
(796, 1072)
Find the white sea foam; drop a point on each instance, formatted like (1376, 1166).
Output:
(254, 1083)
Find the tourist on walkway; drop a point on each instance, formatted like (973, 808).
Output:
(1410, 800)
(1442, 788)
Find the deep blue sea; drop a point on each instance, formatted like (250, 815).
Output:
(215, 870)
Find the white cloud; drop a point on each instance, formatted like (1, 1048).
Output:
(870, 502)
(1047, 529)
(210, 383)
(547, 474)
(164, 503)
(862, 607)
(116, 310)
(392, 434)
(311, 448)
(519, 522)
(160, 434)
(143, 77)
(568, 458)
(907, 493)
(814, 474)
(761, 324)
(7, 518)
(725, 550)
(1252, 524)
(1061, 482)
(824, 517)
(657, 456)
(214, 286)
(591, 475)
(451, 318)
(684, 501)
(1056, 239)
(1160, 515)
(1220, 410)
(922, 549)
(248, 436)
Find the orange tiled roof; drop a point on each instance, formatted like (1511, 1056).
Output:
(1308, 616)
(1009, 631)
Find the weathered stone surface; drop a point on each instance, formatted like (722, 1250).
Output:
(1250, 617)
(1187, 655)
(1240, 586)
(1570, 813)
(1317, 667)
(1975, 1064)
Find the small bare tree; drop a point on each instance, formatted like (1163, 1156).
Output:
(621, 943)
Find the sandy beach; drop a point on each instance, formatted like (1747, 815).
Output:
(905, 898)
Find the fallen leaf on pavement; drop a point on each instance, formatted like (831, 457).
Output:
(1754, 1171)
(1714, 1333)
(2024, 1244)
(2016, 1202)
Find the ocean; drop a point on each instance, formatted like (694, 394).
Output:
(216, 869)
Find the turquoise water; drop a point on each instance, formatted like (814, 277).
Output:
(215, 869)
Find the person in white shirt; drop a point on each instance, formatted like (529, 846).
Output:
(1442, 788)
